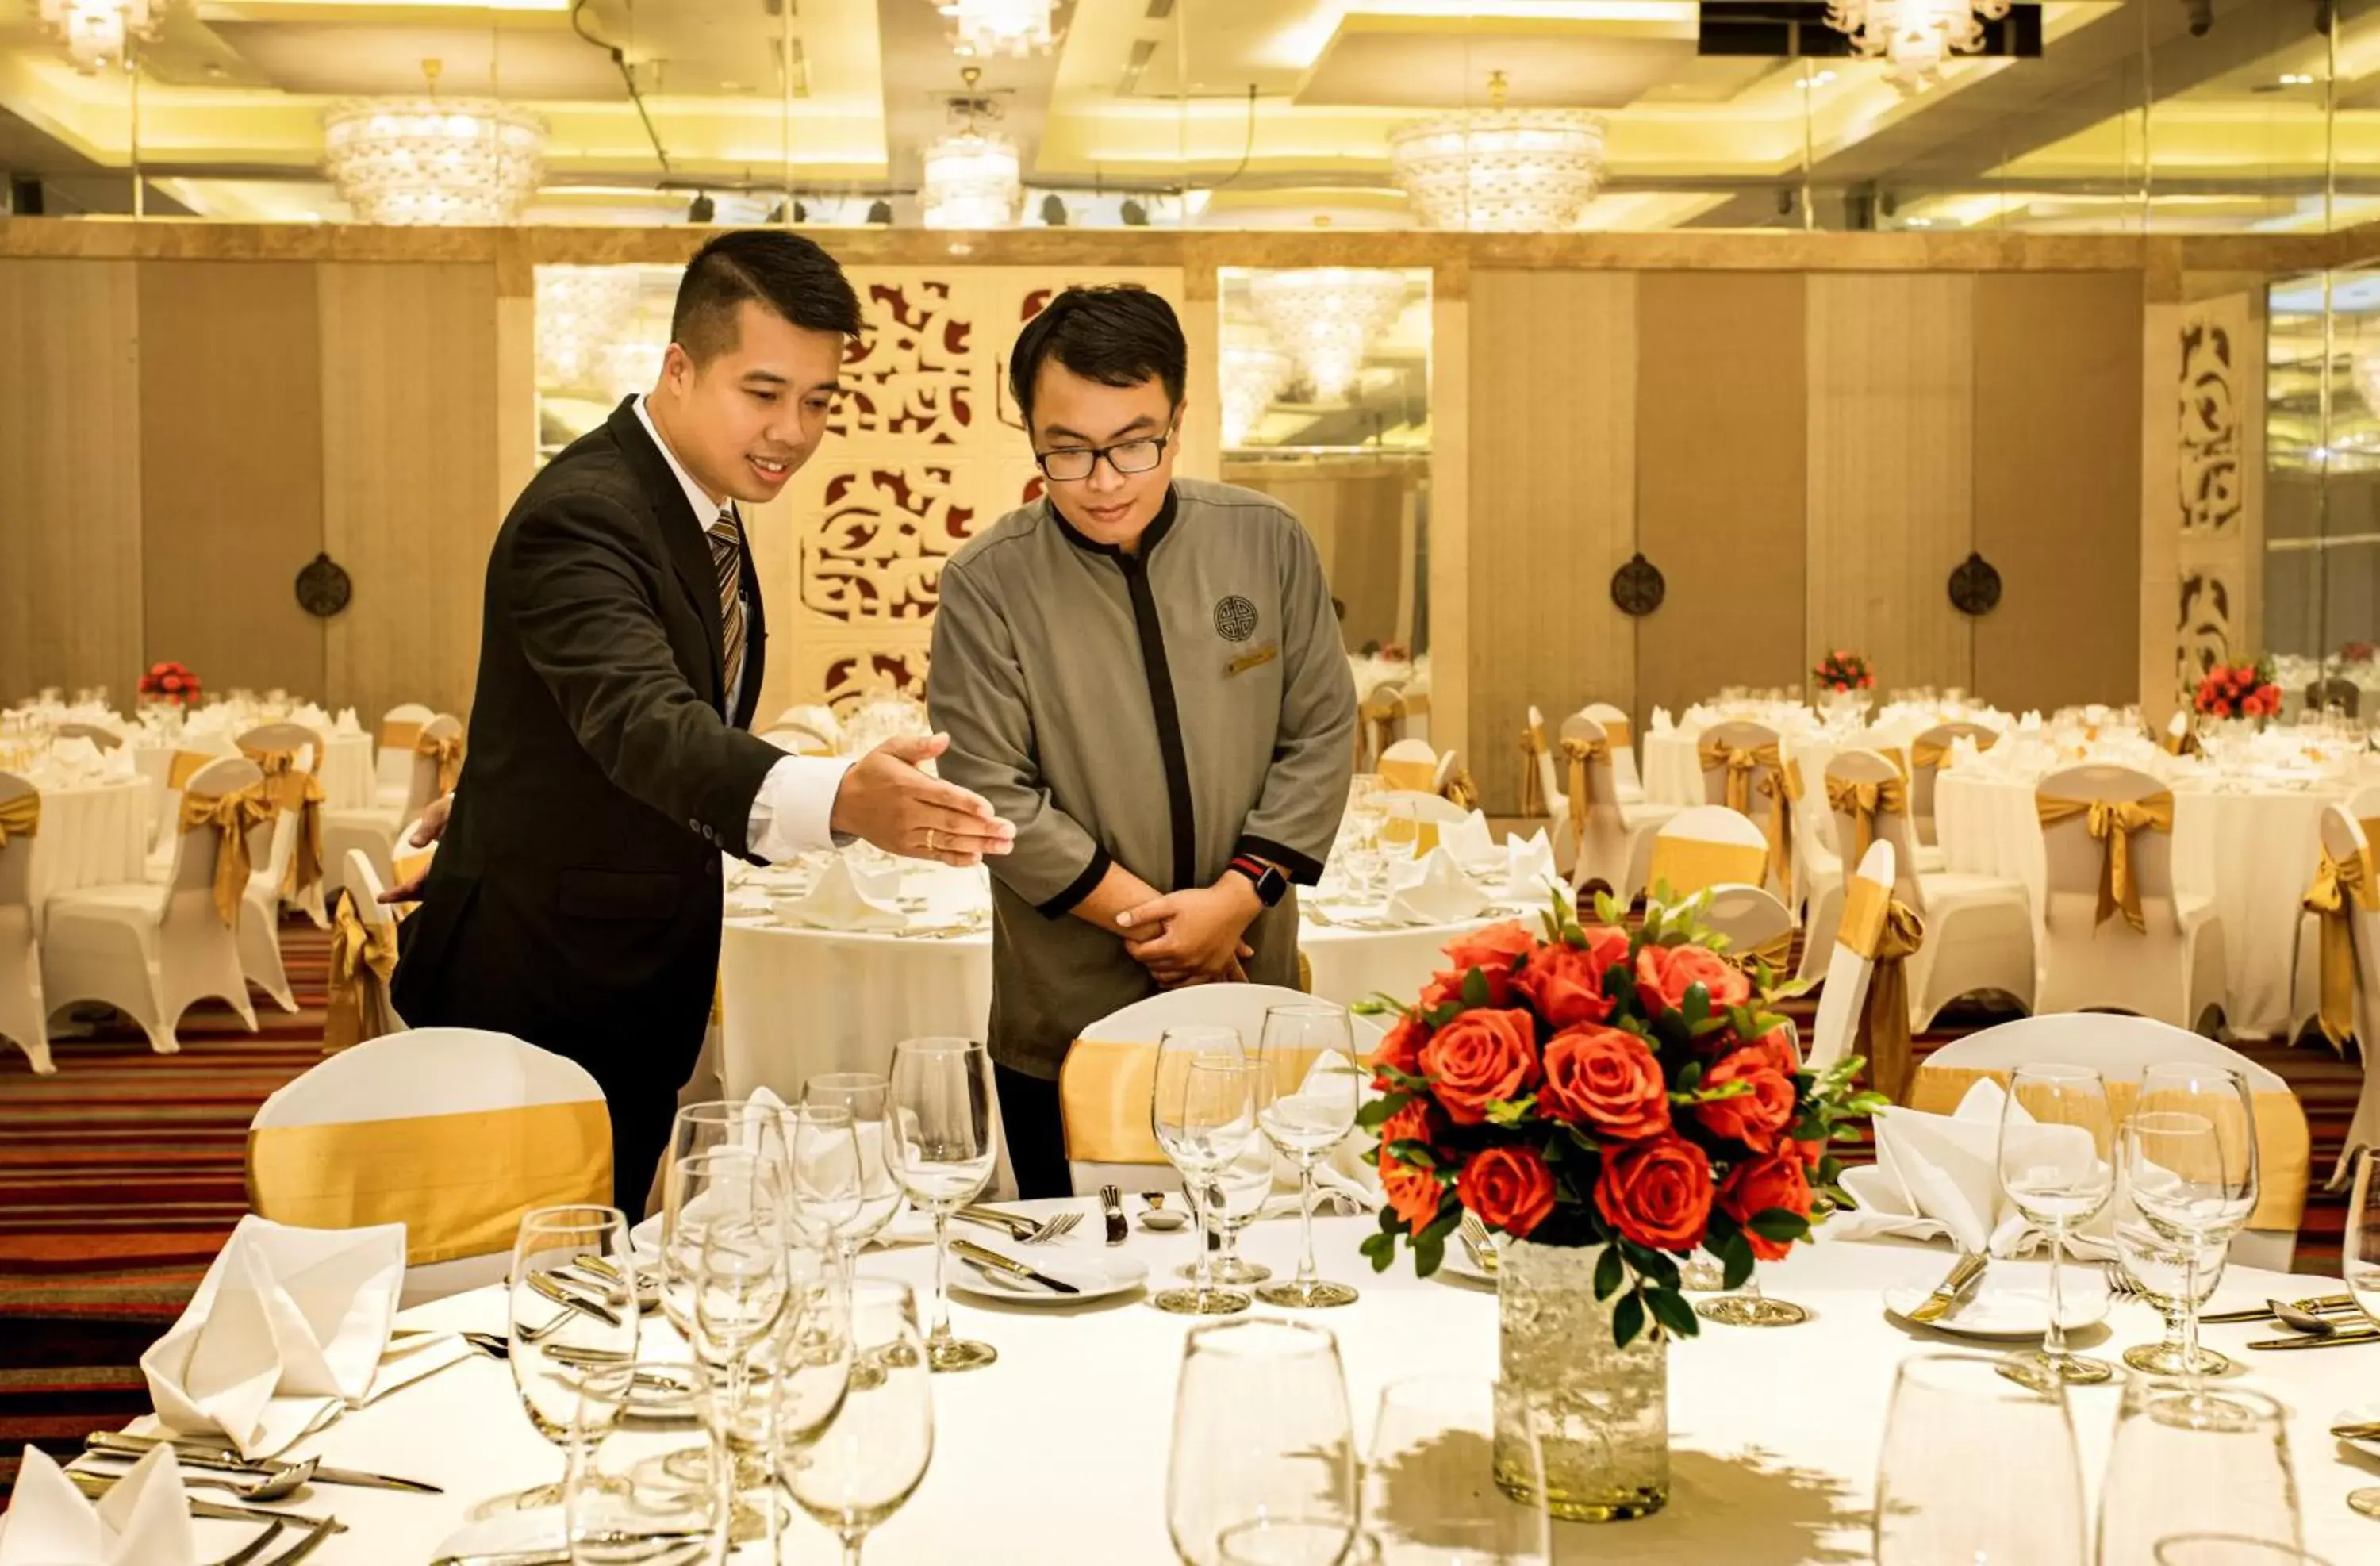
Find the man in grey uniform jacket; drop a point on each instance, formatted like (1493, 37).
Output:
(1143, 675)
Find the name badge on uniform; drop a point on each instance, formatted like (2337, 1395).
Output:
(1257, 660)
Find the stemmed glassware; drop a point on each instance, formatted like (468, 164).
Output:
(1263, 1466)
(638, 1487)
(1305, 1089)
(2057, 1168)
(1238, 1193)
(867, 1463)
(946, 1138)
(1977, 1467)
(2359, 1264)
(2162, 1271)
(866, 1098)
(2187, 1459)
(2190, 1167)
(561, 1317)
(1202, 1107)
(1430, 1491)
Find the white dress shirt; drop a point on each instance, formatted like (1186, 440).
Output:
(792, 812)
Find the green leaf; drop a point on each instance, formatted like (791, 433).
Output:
(1373, 1114)
(1439, 1016)
(1474, 988)
(1408, 1150)
(1608, 1273)
(1606, 909)
(1511, 1111)
(1428, 1253)
(1775, 1223)
(1449, 1216)
(1688, 1075)
(1697, 1005)
(1381, 1249)
(1628, 1319)
(1739, 1261)
(1380, 1003)
(1670, 1309)
(1651, 1265)
(1671, 1028)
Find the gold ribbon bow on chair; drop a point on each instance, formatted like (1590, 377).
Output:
(1739, 763)
(1782, 785)
(448, 754)
(1533, 792)
(234, 815)
(20, 817)
(1887, 932)
(2339, 887)
(1862, 802)
(1461, 791)
(2115, 824)
(363, 958)
(290, 787)
(1580, 754)
(1381, 712)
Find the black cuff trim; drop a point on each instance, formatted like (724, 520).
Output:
(1304, 871)
(1066, 902)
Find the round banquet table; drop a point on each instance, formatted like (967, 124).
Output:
(794, 1001)
(2251, 852)
(1057, 1454)
(91, 834)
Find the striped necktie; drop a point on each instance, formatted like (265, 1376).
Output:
(727, 558)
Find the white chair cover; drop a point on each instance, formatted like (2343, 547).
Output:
(392, 764)
(24, 1019)
(374, 831)
(2174, 970)
(1552, 785)
(1922, 778)
(260, 917)
(1844, 1000)
(1751, 917)
(1409, 766)
(1681, 857)
(1617, 849)
(2342, 836)
(1623, 736)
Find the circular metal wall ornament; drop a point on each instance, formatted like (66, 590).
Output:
(1638, 587)
(1974, 586)
(323, 587)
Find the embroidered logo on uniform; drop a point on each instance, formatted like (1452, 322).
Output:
(1235, 618)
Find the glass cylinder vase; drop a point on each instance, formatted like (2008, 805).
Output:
(1602, 1412)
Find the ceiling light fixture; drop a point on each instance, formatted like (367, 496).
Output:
(2297, 78)
(972, 180)
(97, 31)
(433, 160)
(1500, 170)
(1016, 27)
(1252, 373)
(1325, 318)
(582, 313)
(1914, 37)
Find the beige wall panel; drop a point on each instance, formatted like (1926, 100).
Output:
(1892, 428)
(1553, 501)
(2058, 449)
(231, 469)
(1446, 604)
(69, 479)
(1722, 481)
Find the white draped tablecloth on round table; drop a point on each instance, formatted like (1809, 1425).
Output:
(1056, 1455)
(795, 1001)
(2251, 852)
(91, 834)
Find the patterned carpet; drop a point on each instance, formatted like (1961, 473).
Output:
(121, 1176)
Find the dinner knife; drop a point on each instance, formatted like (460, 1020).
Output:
(1111, 1207)
(98, 1485)
(971, 1251)
(1963, 1275)
(545, 1284)
(2335, 1340)
(199, 1454)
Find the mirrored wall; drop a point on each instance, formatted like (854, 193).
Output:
(2322, 549)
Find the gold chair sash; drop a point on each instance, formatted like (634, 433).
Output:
(1779, 787)
(448, 754)
(1688, 865)
(1409, 777)
(2114, 823)
(363, 959)
(185, 766)
(399, 737)
(2339, 887)
(1887, 932)
(20, 817)
(1461, 790)
(1533, 791)
(1616, 730)
(2284, 1150)
(1381, 712)
(1739, 763)
(234, 815)
(1862, 802)
(1104, 1091)
(1580, 754)
(289, 787)
(458, 1182)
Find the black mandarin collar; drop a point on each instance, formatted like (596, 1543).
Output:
(1150, 537)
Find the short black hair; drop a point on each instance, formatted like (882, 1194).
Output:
(1117, 335)
(784, 272)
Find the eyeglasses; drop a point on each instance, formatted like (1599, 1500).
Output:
(1077, 463)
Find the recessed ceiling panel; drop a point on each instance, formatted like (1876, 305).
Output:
(1439, 70)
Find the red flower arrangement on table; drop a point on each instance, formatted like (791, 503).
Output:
(2358, 652)
(2240, 690)
(171, 682)
(1598, 1088)
(1844, 670)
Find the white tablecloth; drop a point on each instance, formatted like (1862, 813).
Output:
(91, 834)
(1057, 1454)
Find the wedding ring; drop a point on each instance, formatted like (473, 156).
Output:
(932, 846)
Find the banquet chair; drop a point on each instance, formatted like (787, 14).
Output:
(23, 1017)
(1745, 770)
(1379, 723)
(2120, 1048)
(1872, 783)
(1757, 925)
(1612, 845)
(374, 828)
(358, 1007)
(1621, 736)
(1928, 754)
(287, 754)
(1411, 820)
(99, 734)
(452, 1132)
(151, 951)
(1851, 966)
(400, 730)
(1703, 846)
(2335, 694)
(1409, 766)
(2170, 966)
(2364, 806)
(1106, 1084)
(2335, 970)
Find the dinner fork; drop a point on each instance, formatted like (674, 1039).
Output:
(1478, 1242)
(1021, 1230)
(254, 1547)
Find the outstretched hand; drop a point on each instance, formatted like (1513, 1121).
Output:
(432, 827)
(886, 800)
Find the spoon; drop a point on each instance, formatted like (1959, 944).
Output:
(1159, 1217)
(2306, 1321)
(283, 1482)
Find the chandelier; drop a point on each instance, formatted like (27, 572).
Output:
(632, 366)
(433, 160)
(1016, 28)
(581, 313)
(1500, 170)
(1914, 36)
(1252, 373)
(1324, 318)
(95, 32)
(972, 180)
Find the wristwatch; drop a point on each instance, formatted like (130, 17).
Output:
(1271, 884)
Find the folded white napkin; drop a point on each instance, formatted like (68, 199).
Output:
(118, 765)
(2032, 719)
(1529, 870)
(347, 723)
(2178, 725)
(1432, 890)
(1662, 722)
(1964, 756)
(74, 755)
(313, 717)
(847, 897)
(1939, 1175)
(143, 1520)
(1470, 842)
(289, 1327)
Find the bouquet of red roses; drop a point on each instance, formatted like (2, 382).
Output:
(171, 682)
(1844, 670)
(1597, 1087)
(2358, 652)
(2243, 690)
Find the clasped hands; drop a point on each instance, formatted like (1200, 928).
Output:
(1194, 937)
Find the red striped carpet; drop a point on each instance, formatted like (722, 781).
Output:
(121, 1176)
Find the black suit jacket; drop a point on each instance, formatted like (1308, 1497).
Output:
(574, 901)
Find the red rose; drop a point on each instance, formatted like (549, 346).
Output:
(1772, 1048)
(1412, 1192)
(1510, 1188)
(1755, 1187)
(1565, 983)
(1664, 974)
(173, 682)
(1657, 1193)
(1484, 1054)
(1401, 1049)
(1756, 1119)
(2222, 707)
(1868, 682)
(1810, 1151)
(1494, 949)
(1607, 1079)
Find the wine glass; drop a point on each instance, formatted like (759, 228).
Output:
(865, 1095)
(1202, 1109)
(559, 1317)
(2358, 1263)
(946, 1134)
(639, 1485)
(1237, 1195)
(2189, 1458)
(2057, 1169)
(723, 1184)
(1261, 1436)
(1977, 1467)
(1306, 1089)
(1430, 1491)
(2189, 1166)
(822, 1172)
(2161, 1270)
(869, 1460)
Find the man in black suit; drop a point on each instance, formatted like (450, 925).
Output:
(574, 901)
